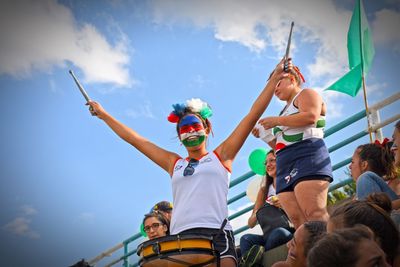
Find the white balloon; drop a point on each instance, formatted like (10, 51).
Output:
(253, 187)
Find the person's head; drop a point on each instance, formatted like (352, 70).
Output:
(270, 168)
(155, 225)
(372, 212)
(165, 208)
(303, 239)
(270, 164)
(396, 144)
(192, 123)
(372, 157)
(348, 247)
(286, 86)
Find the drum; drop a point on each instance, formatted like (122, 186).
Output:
(177, 250)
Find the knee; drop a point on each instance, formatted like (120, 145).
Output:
(317, 214)
(245, 238)
(297, 219)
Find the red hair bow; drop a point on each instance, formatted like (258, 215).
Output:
(383, 143)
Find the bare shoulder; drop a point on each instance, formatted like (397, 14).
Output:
(309, 92)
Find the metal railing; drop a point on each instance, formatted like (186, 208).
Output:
(375, 127)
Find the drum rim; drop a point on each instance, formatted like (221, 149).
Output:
(188, 251)
(171, 238)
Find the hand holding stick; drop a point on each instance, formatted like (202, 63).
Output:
(85, 95)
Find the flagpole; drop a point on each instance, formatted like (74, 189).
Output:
(366, 107)
(362, 71)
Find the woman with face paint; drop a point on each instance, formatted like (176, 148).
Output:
(200, 180)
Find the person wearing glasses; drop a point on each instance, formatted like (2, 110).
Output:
(155, 225)
(200, 180)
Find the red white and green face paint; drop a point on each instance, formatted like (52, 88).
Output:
(191, 131)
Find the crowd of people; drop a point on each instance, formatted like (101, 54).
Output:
(298, 174)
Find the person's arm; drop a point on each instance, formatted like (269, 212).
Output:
(310, 107)
(257, 205)
(231, 146)
(165, 159)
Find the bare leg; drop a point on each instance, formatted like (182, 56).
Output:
(312, 197)
(291, 207)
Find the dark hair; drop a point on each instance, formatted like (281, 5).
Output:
(380, 159)
(315, 230)
(268, 179)
(397, 125)
(164, 206)
(373, 213)
(159, 216)
(339, 248)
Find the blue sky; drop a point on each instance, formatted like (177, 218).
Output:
(69, 188)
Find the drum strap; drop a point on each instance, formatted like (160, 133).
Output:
(221, 230)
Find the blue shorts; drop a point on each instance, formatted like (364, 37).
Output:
(305, 160)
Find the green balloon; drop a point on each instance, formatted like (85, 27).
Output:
(257, 160)
(142, 230)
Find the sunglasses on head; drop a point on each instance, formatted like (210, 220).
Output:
(189, 170)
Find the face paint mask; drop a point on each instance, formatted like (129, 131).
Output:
(191, 131)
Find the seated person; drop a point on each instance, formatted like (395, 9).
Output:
(369, 165)
(347, 247)
(374, 213)
(266, 192)
(155, 225)
(303, 240)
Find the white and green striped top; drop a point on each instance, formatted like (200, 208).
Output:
(286, 136)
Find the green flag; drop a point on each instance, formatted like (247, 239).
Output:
(360, 49)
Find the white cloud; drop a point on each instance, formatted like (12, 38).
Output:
(385, 28)
(21, 225)
(86, 217)
(28, 210)
(258, 24)
(141, 111)
(38, 35)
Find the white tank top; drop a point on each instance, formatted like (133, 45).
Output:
(200, 199)
(286, 136)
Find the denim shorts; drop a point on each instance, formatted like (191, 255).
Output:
(306, 160)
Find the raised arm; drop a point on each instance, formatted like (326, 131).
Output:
(231, 146)
(163, 158)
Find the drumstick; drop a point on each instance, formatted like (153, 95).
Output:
(286, 64)
(85, 95)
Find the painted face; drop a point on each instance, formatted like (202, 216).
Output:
(191, 131)
(355, 165)
(270, 165)
(370, 254)
(295, 246)
(396, 145)
(281, 88)
(154, 228)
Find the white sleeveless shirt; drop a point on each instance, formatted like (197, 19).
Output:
(200, 199)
